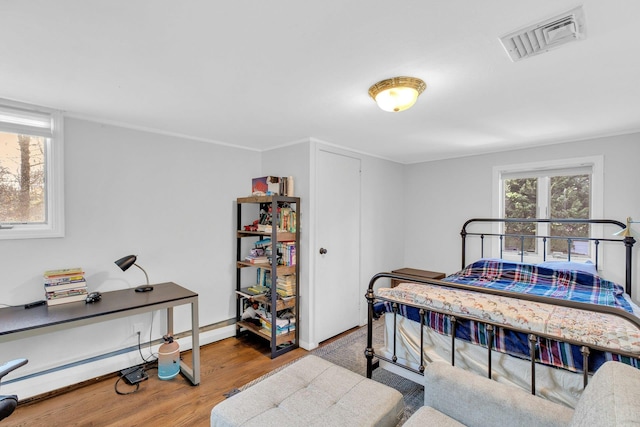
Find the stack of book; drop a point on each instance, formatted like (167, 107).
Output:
(286, 253)
(283, 326)
(286, 285)
(63, 286)
(287, 220)
(257, 256)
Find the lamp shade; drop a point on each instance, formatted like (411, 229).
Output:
(125, 262)
(628, 231)
(398, 93)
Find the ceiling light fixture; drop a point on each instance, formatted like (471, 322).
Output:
(397, 93)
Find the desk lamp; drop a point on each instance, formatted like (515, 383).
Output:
(125, 262)
(628, 231)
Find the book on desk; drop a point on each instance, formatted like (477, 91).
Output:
(64, 286)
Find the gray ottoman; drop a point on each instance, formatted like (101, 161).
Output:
(312, 392)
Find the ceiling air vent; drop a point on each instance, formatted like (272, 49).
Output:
(545, 35)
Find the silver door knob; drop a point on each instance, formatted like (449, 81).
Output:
(323, 251)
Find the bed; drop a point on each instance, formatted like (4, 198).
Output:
(545, 326)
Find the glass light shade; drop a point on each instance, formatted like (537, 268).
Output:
(397, 99)
(398, 93)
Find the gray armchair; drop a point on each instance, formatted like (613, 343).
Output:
(454, 397)
(8, 403)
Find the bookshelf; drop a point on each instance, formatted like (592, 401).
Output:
(267, 290)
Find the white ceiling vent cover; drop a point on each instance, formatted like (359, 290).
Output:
(545, 35)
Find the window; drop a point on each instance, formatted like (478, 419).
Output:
(558, 189)
(31, 185)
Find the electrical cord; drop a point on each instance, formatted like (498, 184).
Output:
(151, 353)
(149, 364)
(127, 392)
(140, 351)
(143, 374)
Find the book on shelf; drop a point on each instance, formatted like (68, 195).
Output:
(265, 228)
(257, 252)
(287, 220)
(282, 293)
(283, 326)
(253, 291)
(256, 259)
(286, 253)
(263, 277)
(286, 285)
(263, 243)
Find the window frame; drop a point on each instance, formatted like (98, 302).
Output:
(54, 175)
(595, 163)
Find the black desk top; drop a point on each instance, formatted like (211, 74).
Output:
(19, 319)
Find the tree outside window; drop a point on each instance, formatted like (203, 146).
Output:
(22, 179)
(570, 198)
(31, 171)
(552, 196)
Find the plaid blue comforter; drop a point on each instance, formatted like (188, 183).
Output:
(530, 279)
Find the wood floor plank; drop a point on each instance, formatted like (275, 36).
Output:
(225, 365)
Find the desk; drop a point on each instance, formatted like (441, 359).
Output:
(18, 322)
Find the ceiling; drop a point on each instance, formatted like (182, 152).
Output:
(262, 74)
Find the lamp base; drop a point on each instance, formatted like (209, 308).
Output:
(144, 288)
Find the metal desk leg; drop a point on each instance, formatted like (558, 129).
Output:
(195, 338)
(170, 321)
(193, 373)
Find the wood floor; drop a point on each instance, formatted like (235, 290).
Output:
(225, 365)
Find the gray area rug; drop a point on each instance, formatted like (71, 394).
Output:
(348, 352)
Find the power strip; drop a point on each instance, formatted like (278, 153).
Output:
(134, 375)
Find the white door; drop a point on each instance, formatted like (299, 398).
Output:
(337, 252)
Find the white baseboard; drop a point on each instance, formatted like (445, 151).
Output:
(307, 345)
(36, 384)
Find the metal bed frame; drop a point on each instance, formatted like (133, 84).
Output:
(628, 242)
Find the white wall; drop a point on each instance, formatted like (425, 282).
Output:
(383, 218)
(441, 195)
(293, 160)
(382, 200)
(169, 200)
